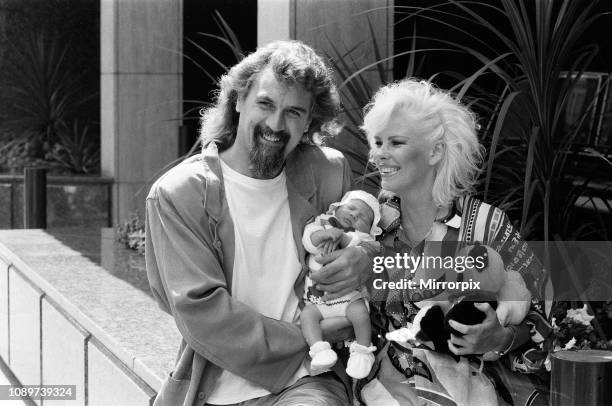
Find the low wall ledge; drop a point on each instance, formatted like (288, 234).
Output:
(60, 179)
(123, 318)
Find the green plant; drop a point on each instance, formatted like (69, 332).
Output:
(41, 88)
(358, 85)
(515, 88)
(543, 40)
(131, 233)
(15, 155)
(45, 94)
(355, 91)
(75, 150)
(576, 325)
(197, 54)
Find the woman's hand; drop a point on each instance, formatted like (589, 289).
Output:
(336, 329)
(480, 338)
(344, 270)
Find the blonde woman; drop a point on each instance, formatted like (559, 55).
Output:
(423, 142)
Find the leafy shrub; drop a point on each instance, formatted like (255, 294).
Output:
(76, 150)
(16, 154)
(132, 234)
(49, 84)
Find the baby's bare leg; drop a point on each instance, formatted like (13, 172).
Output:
(358, 315)
(310, 319)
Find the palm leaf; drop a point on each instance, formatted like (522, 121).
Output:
(495, 140)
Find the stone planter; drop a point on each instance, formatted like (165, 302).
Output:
(71, 201)
(122, 262)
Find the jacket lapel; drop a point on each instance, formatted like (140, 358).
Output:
(301, 190)
(219, 222)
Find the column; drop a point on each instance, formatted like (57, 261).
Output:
(274, 20)
(141, 89)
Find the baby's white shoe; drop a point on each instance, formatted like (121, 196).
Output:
(322, 356)
(361, 360)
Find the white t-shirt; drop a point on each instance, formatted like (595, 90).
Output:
(266, 264)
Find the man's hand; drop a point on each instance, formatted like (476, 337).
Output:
(479, 338)
(343, 271)
(336, 329)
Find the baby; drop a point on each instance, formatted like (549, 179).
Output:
(349, 222)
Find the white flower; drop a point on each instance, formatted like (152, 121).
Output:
(547, 363)
(570, 344)
(401, 335)
(580, 316)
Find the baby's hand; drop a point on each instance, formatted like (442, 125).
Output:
(332, 238)
(335, 234)
(328, 246)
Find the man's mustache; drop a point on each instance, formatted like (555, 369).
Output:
(265, 130)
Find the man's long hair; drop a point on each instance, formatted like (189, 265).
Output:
(293, 63)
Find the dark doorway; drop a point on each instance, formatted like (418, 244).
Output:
(206, 17)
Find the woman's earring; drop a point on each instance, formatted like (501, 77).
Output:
(371, 162)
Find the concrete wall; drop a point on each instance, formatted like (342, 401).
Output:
(71, 201)
(43, 345)
(141, 86)
(64, 320)
(274, 20)
(324, 24)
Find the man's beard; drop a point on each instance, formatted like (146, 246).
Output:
(266, 161)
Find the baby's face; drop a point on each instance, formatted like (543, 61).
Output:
(357, 214)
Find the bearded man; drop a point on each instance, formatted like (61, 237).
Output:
(223, 237)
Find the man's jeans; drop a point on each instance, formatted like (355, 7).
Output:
(322, 390)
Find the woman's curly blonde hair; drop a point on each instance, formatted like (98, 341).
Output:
(441, 117)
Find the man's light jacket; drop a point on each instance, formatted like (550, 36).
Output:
(190, 255)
